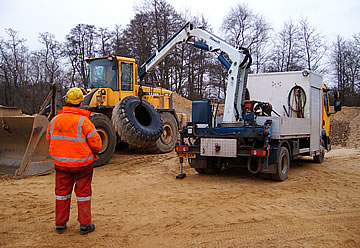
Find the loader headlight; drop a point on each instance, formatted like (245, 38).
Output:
(99, 100)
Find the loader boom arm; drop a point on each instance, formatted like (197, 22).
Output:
(240, 61)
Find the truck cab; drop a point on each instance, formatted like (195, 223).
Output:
(326, 125)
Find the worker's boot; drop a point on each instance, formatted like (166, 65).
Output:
(85, 229)
(60, 228)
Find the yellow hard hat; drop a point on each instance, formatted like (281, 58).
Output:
(74, 96)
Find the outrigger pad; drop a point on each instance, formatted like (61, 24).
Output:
(181, 176)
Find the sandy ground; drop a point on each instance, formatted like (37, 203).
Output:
(137, 202)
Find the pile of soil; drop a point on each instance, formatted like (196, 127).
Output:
(339, 132)
(345, 126)
(182, 105)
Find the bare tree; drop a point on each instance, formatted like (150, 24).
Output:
(51, 56)
(104, 36)
(117, 43)
(243, 28)
(80, 44)
(137, 38)
(346, 60)
(13, 55)
(165, 22)
(286, 53)
(313, 46)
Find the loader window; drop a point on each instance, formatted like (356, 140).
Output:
(103, 73)
(126, 76)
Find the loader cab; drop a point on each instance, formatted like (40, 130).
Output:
(116, 73)
(113, 77)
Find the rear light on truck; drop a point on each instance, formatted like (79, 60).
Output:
(182, 148)
(261, 153)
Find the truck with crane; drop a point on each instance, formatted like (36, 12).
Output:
(288, 118)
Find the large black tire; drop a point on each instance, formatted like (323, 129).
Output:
(137, 123)
(283, 165)
(108, 137)
(167, 140)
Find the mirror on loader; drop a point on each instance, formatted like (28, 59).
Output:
(337, 101)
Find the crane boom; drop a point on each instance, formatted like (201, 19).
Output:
(240, 61)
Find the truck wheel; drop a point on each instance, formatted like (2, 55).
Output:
(137, 123)
(320, 157)
(211, 169)
(108, 137)
(167, 140)
(200, 170)
(283, 165)
(194, 162)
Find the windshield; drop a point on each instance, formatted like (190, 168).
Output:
(103, 73)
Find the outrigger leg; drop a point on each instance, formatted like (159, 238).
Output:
(181, 174)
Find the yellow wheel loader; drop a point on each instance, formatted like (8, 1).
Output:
(123, 110)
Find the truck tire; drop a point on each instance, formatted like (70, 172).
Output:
(137, 123)
(108, 137)
(283, 165)
(194, 162)
(320, 157)
(211, 169)
(167, 140)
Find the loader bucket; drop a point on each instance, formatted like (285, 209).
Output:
(23, 145)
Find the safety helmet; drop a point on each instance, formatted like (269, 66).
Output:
(74, 96)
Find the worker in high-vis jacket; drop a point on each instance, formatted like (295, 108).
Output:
(73, 145)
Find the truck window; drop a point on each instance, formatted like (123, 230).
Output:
(103, 74)
(126, 76)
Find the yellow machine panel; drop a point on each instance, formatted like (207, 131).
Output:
(326, 111)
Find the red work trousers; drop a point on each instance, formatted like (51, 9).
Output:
(66, 177)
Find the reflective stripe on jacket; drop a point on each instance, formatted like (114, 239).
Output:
(73, 138)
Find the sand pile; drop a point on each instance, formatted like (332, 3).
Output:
(345, 127)
(182, 105)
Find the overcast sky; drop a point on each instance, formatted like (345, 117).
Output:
(31, 17)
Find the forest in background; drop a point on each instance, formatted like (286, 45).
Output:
(26, 76)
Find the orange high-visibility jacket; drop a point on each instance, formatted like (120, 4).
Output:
(73, 138)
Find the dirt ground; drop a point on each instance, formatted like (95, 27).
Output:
(137, 202)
